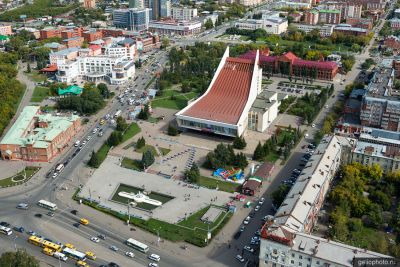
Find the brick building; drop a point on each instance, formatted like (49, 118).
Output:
(38, 137)
(73, 42)
(327, 16)
(311, 17)
(5, 30)
(92, 35)
(363, 23)
(89, 3)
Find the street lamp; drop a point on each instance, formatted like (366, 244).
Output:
(15, 244)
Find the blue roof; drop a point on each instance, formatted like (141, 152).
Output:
(356, 93)
(385, 134)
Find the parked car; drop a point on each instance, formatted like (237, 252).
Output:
(95, 239)
(114, 248)
(261, 201)
(257, 208)
(129, 254)
(249, 249)
(239, 258)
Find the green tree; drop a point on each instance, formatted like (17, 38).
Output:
(164, 43)
(28, 68)
(103, 89)
(209, 24)
(144, 114)
(239, 142)
(172, 130)
(94, 160)
(279, 195)
(115, 138)
(240, 161)
(259, 153)
(141, 142)
(193, 174)
(147, 159)
(20, 258)
(122, 125)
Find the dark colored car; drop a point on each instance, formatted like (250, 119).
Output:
(237, 235)
(38, 215)
(74, 212)
(76, 225)
(113, 264)
(5, 224)
(19, 229)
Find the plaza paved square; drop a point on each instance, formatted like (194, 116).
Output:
(187, 199)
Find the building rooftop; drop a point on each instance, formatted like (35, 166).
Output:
(65, 52)
(299, 202)
(381, 83)
(336, 11)
(264, 101)
(380, 136)
(23, 132)
(53, 45)
(377, 150)
(225, 100)
(353, 29)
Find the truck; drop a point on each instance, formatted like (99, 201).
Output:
(61, 256)
(117, 113)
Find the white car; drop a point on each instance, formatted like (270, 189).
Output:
(83, 142)
(95, 239)
(239, 258)
(94, 130)
(249, 249)
(129, 254)
(154, 257)
(257, 208)
(261, 201)
(88, 138)
(152, 264)
(55, 175)
(313, 125)
(246, 222)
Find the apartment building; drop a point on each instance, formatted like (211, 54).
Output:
(380, 106)
(184, 13)
(173, 27)
(92, 35)
(271, 25)
(311, 17)
(327, 16)
(364, 23)
(347, 29)
(395, 23)
(89, 3)
(73, 42)
(286, 238)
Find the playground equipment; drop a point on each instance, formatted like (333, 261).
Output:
(139, 198)
(233, 174)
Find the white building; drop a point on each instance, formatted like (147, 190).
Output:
(288, 4)
(286, 239)
(324, 30)
(272, 25)
(173, 27)
(184, 13)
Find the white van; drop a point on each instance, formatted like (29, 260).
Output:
(77, 143)
(61, 256)
(154, 257)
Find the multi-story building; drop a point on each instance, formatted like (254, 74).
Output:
(364, 23)
(92, 35)
(38, 137)
(71, 33)
(73, 42)
(396, 13)
(273, 25)
(381, 106)
(286, 238)
(351, 11)
(327, 16)
(50, 32)
(349, 30)
(160, 8)
(89, 3)
(175, 27)
(5, 30)
(249, 2)
(183, 13)
(311, 17)
(395, 23)
(63, 55)
(132, 19)
(165, 8)
(136, 4)
(324, 30)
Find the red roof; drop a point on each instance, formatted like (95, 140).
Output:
(50, 68)
(317, 64)
(228, 96)
(290, 56)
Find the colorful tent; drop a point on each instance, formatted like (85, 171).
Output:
(70, 90)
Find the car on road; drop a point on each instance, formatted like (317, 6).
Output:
(297, 171)
(88, 138)
(257, 233)
(95, 239)
(152, 264)
(249, 249)
(51, 214)
(39, 215)
(154, 257)
(68, 245)
(30, 232)
(313, 125)
(129, 254)
(19, 229)
(114, 248)
(23, 206)
(237, 235)
(101, 236)
(91, 255)
(261, 201)
(113, 264)
(239, 258)
(83, 142)
(74, 212)
(81, 264)
(242, 228)
(76, 225)
(94, 130)
(54, 175)
(247, 220)
(257, 208)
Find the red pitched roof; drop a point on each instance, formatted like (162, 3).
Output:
(228, 96)
(290, 56)
(50, 68)
(317, 64)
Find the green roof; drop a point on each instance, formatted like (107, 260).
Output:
(70, 90)
(330, 11)
(38, 137)
(4, 38)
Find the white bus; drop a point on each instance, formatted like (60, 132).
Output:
(117, 113)
(5, 230)
(137, 245)
(47, 205)
(74, 254)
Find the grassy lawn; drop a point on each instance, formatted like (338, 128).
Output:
(164, 151)
(147, 147)
(195, 220)
(39, 94)
(19, 177)
(179, 102)
(102, 152)
(272, 157)
(37, 77)
(153, 120)
(132, 130)
(131, 164)
(222, 185)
